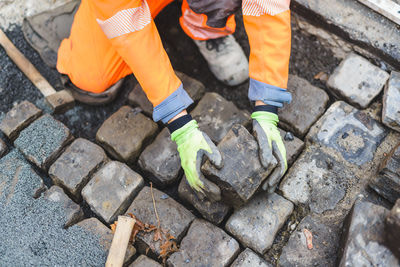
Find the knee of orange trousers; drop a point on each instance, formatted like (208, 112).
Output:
(194, 25)
(157, 5)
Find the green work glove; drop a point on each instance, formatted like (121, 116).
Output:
(271, 146)
(192, 145)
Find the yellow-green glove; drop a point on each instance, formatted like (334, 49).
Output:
(192, 145)
(271, 146)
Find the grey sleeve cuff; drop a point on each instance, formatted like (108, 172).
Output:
(269, 94)
(172, 105)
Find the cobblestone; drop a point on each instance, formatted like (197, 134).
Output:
(364, 237)
(293, 146)
(325, 239)
(138, 98)
(111, 190)
(143, 261)
(18, 118)
(216, 116)
(104, 235)
(173, 217)
(161, 161)
(392, 228)
(125, 133)
(214, 212)
(391, 100)
(74, 168)
(205, 245)
(43, 141)
(308, 104)
(73, 212)
(256, 224)
(357, 80)
(242, 173)
(3, 148)
(249, 259)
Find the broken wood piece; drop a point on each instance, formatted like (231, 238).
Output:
(386, 8)
(120, 241)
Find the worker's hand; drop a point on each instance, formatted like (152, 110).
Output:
(192, 145)
(271, 146)
(217, 12)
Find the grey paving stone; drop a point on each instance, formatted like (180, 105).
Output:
(249, 259)
(105, 236)
(3, 148)
(325, 239)
(391, 100)
(173, 218)
(73, 211)
(349, 131)
(74, 168)
(43, 141)
(316, 180)
(160, 160)
(138, 98)
(143, 261)
(242, 173)
(356, 23)
(357, 80)
(112, 189)
(392, 228)
(205, 245)
(18, 118)
(216, 116)
(215, 212)
(364, 237)
(387, 182)
(308, 104)
(125, 133)
(292, 144)
(256, 224)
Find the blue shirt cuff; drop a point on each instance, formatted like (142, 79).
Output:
(269, 94)
(171, 106)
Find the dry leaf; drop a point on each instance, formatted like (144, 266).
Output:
(157, 235)
(322, 76)
(308, 236)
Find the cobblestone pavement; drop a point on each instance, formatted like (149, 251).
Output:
(59, 191)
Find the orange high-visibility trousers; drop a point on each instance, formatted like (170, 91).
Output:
(111, 39)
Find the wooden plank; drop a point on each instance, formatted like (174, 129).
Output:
(386, 8)
(120, 241)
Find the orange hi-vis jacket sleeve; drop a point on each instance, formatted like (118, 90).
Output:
(130, 28)
(267, 24)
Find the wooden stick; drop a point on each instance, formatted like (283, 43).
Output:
(120, 241)
(26, 66)
(387, 8)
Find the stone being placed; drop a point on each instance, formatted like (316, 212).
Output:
(325, 239)
(364, 236)
(250, 259)
(215, 212)
(357, 80)
(3, 148)
(216, 116)
(160, 160)
(351, 132)
(125, 133)
(104, 236)
(43, 141)
(316, 180)
(391, 102)
(111, 190)
(256, 224)
(292, 144)
(392, 228)
(205, 245)
(308, 104)
(138, 98)
(73, 212)
(18, 118)
(173, 218)
(143, 261)
(242, 173)
(74, 168)
(387, 182)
